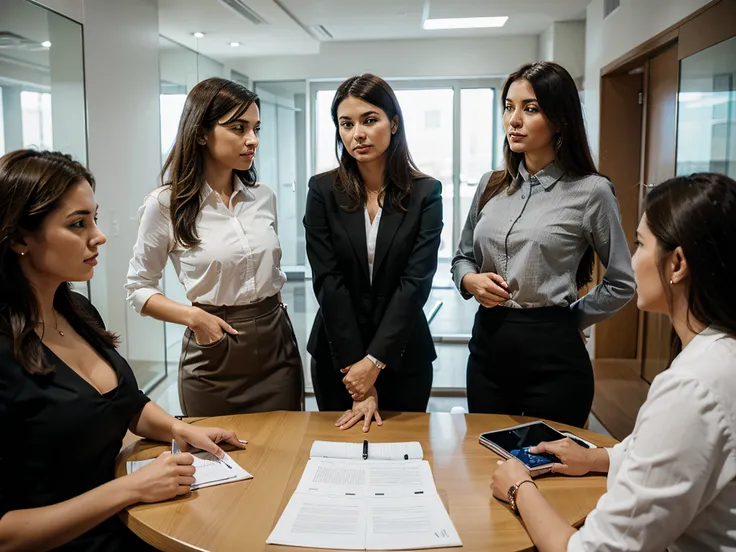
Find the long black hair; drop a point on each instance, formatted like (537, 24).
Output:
(698, 214)
(32, 184)
(400, 167)
(183, 171)
(559, 100)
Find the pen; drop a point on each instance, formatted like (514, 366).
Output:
(365, 450)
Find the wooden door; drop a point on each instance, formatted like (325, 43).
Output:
(660, 112)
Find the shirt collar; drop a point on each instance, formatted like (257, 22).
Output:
(547, 177)
(238, 186)
(698, 344)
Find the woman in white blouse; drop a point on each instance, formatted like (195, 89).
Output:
(671, 483)
(218, 226)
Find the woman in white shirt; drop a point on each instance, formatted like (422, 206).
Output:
(218, 226)
(671, 482)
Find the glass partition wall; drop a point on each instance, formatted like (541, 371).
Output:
(706, 126)
(42, 104)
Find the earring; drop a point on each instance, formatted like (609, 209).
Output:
(672, 283)
(201, 142)
(22, 253)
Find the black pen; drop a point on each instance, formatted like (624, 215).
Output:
(365, 450)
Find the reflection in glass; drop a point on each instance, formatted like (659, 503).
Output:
(42, 101)
(706, 128)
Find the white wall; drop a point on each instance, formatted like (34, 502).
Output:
(633, 23)
(122, 78)
(400, 58)
(564, 42)
(547, 44)
(570, 46)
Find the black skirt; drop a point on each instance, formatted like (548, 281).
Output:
(530, 362)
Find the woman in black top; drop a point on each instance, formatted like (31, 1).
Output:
(373, 231)
(66, 396)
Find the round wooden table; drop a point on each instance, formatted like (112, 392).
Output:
(239, 516)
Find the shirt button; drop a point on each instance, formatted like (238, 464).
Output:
(523, 196)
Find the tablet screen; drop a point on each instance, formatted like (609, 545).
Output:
(517, 441)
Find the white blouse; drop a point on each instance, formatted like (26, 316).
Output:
(238, 261)
(371, 233)
(671, 482)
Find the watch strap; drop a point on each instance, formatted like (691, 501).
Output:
(380, 365)
(513, 490)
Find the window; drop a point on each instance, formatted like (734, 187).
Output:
(171, 107)
(36, 119)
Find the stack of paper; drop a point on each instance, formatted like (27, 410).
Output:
(366, 504)
(210, 470)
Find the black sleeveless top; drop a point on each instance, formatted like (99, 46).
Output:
(60, 437)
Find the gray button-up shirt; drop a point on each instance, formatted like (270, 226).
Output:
(535, 238)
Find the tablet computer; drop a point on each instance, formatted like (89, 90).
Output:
(516, 441)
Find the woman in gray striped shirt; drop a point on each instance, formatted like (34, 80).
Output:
(528, 245)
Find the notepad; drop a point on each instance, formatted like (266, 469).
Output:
(209, 470)
(382, 503)
(376, 451)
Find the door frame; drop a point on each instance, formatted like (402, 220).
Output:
(622, 335)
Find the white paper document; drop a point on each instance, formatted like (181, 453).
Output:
(209, 470)
(376, 451)
(366, 478)
(365, 505)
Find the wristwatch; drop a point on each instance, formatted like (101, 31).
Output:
(380, 365)
(515, 489)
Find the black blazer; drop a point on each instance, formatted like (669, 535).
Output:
(385, 319)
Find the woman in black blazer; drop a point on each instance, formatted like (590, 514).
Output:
(373, 231)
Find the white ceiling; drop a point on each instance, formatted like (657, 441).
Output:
(178, 19)
(288, 21)
(402, 19)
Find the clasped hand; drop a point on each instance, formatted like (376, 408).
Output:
(360, 377)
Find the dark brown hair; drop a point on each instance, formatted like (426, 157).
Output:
(698, 214)
(558, 99)
(207, 103)
(400, 167)
(32, 184)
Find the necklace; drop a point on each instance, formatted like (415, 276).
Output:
(56, 326)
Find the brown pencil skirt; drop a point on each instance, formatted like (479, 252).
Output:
(258, 370)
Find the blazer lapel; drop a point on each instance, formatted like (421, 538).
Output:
(390, 222)
(355, 227)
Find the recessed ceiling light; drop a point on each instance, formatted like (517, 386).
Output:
(235, 44)
(198, 34)
(46, 44)
(464, 23)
